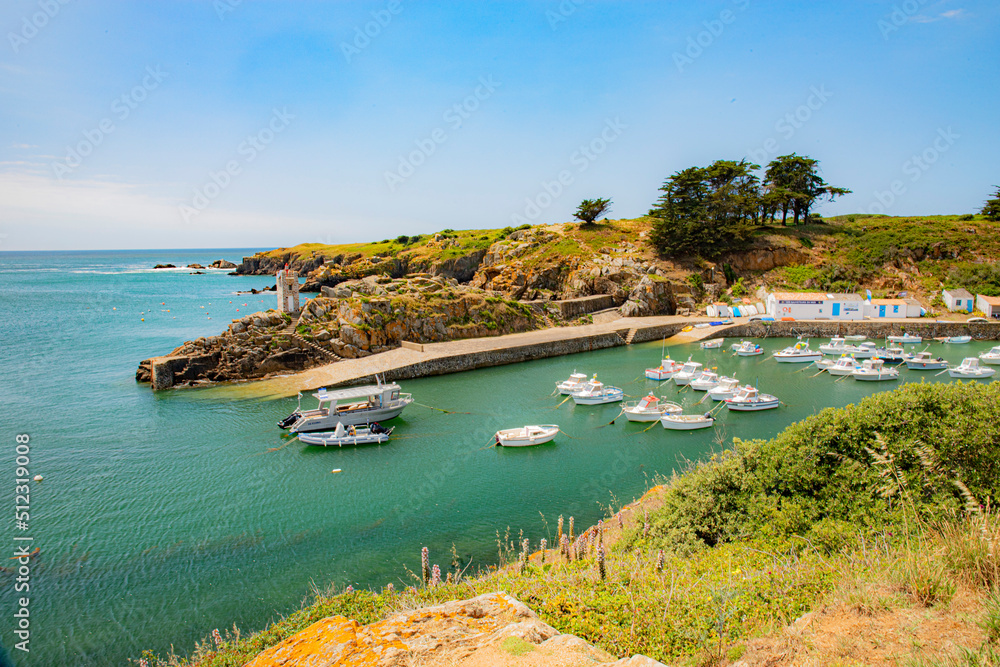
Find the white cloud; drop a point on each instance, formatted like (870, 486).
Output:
(953, 13)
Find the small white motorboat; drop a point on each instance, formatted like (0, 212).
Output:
(875, 370)
(705, 381)
(845, 365)
(666, 370)
(891, 355)
(992, 357)
(971, 370)
(798, 354)
(688, 372)
(855, 338)
(649, 409)
(748, 399)
(678, 422)
(526, 436)
(925, 361)
(747, 348)
(905, 339)
(712, 344)
(725, 389)
(574, 383)
(371, 434)
(957, 340)
(365, 405)
(837, 345)
(596, 393)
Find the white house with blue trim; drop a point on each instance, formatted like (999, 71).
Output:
(957, 300)
(815, 306)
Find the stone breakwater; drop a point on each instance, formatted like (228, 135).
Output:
(872, 329)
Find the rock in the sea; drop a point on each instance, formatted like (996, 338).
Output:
(195, 266)
(164, 266)
(221, 264)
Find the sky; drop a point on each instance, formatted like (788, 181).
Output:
(245, 123)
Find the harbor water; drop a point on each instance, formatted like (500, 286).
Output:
(164, 516)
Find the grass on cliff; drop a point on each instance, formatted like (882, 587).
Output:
(876, 517)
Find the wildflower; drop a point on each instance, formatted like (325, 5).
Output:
(349, 589)
(216, 638)
(560, 533)
(600, 563)
(659, 561)
(543, 545)
(436, 576)
(425, 565)
(389, 588)
(571, 529)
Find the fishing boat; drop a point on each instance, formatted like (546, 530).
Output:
(957, 340)
(665, 371)
(649, 409)
(747, 348)
(797, 354)
(748, 399)
(526, 436)
(855, 338)
(341, 436)
(381, 402)
(875, 370)
(891, 355)
(688, 372)
(845, 365)
(712, 344)
(905, 339)
(596, 393)
(837, 345)
(925, 361)
(677, 422)
(574, 383)
(705, 381)
(725, 389)
(971, 370)
(992, 357)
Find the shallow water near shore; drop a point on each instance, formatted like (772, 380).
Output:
(164, 516)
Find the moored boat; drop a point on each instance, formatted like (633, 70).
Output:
(957, 340)
(748, 399)
(875, 370)
(925, 361)
(855, 337)
(725, 389)
(970, 369)
(891, 355)
(905, 339)
(747, 348)
(382, 402)
(845, 365)
(649, 409)
(574, 383)
(526, 436)
(666, 370)
(369, 434)
(688, 372)
(678, 422)
(712, 344)
(992, 357)
(797, 354)
(705, 381)
(596, 393)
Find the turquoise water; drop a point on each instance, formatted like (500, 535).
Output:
(164, 516)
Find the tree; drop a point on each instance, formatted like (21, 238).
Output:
(992, 208)
(591, 209)
(793, 182)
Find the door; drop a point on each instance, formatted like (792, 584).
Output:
(881, 311)
(288, 304)
(836, 310)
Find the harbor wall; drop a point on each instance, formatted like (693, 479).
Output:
(872, 329)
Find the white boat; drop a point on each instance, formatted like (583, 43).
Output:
(891, 355)
(574, 383)
(526, 436)
(747, 348)
(957, 340)
(350, 435)
(666, 370)
(677, 422)
(855, 338)
(381, 402)
(992, 357)
(712, 344)
(649, 409)
(748, 399)
(845, 365)
(725, 389)
(688, 372)
(596, 393)
(905, 339)
(797, 354)
(925, 361)
(837, 345)
(705, 381)
(875, 370)
(971, 370)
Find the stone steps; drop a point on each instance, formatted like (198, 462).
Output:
(291, 333)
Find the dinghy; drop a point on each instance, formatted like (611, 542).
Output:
(875, 370)
(798, 354)
(596, 393)
(992, 357)
(712, 344)
(688, 372)
(970, 369)
(678, 422)
(925, 361)
(649, 409)
(341, 436)
(748, 399)
(526, 436)
(957, 340)
(574, 383)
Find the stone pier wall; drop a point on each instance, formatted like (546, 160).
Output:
(872, 329)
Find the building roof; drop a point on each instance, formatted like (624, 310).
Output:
(958, 293)
(913, 302)
(814, 296)
(888, 302)
(991, 300)
(844, 297)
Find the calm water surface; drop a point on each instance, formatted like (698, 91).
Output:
(164, 516)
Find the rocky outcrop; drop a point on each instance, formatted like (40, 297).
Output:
(765, 258)
(652, 295)
(164, 266)
(491, 629)
(268, 264)
(222, 264)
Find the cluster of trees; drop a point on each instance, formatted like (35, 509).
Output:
(992, 208)
(707, 210)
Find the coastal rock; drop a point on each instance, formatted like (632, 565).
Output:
(651, 296)
(473, 632)
(164, 266)
(195, 266)
(222, 264)
(765, 259)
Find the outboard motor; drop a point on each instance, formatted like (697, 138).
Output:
(289, 420)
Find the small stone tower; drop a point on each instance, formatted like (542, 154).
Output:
(288, 291)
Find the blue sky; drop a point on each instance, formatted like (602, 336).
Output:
(248, 123)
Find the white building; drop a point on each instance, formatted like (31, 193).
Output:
(887, 308)
(957, 300)
(815, 306)
(288, 291)
(988, 305)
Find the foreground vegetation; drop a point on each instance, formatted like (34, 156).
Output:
(877, 515)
